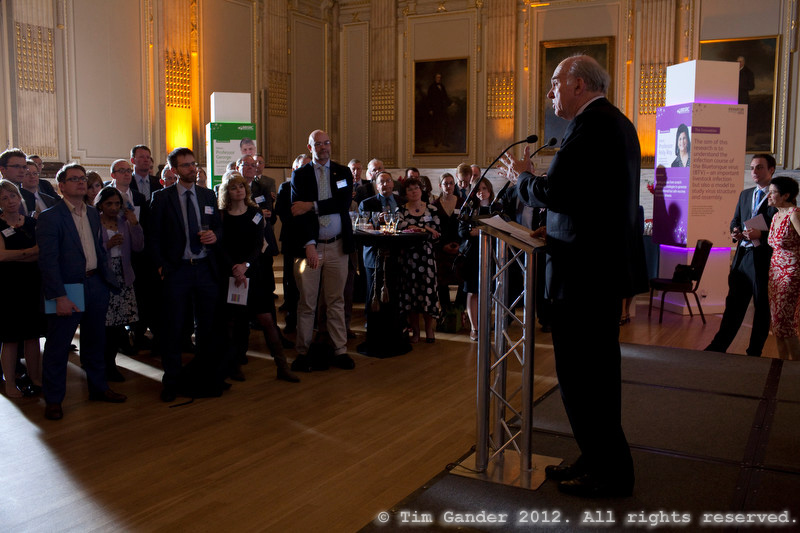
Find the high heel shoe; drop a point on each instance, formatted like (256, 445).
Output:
(473, 334)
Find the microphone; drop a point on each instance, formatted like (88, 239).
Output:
(551, 142)
(469, 200)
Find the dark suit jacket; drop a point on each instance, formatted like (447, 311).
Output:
(591, 191)
(155, 185)
(165, 237)
(283, 208)
(304, 189)
(364, 190)
(46, 187)
(762, 253)
(374, 204)
(61, 259)
(30, 200)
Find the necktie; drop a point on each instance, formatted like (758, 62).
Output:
(323, 193)
(144, 187)
(759, 197)
(194, 228)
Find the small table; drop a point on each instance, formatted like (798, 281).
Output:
(386, 327)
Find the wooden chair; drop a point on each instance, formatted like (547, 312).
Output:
(689, 284)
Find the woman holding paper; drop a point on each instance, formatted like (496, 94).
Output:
(784, 267)
(243, 239)
(21, 318)
(122, 235)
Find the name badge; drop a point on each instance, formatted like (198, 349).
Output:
(259, 199)
(457, 211)
(427, 218)
(8, 232)
(257, 218)
(209, 210)
(341, 184)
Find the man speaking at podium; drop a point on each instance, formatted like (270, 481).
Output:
(590, 264)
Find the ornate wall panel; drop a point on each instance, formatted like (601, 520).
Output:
(383, 29)
(310, 83)
(278, 96)
(34, 78)
(355, 92)
(107, 98)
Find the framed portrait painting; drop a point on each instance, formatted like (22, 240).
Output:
(441, 100)
(551, 53)
(758, 78)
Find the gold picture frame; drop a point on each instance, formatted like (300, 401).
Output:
(551, 53)
(761, 60)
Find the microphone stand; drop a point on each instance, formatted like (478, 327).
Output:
(469, 200)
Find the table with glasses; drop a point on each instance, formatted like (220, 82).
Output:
(386, 324)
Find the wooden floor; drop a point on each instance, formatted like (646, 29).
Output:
(327, 454)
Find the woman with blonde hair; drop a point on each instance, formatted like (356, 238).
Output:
(21, 318)
(240, 249)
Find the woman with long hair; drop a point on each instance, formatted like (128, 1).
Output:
(243, 230)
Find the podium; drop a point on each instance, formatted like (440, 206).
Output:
(504, 407)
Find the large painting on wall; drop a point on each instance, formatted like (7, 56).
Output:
(441, 98)
(758, 76)
(551, 53)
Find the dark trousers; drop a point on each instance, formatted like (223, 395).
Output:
(588, 360)
(744, 282)
(291, 294)
(61, 329)
(190, 288)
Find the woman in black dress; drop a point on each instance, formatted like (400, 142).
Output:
(21, 319)
(449, 206)
(240, 248)
(469, 231)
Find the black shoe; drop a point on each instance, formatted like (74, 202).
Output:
(343, 361)
(167, 395)
(562, 472)
(107, 395)
(712, 348)
(290, 328)
(589, 486)
(302, 363)
(284, 374)
(236, 374)
(114, 375)
(52, 411)
(30, 390)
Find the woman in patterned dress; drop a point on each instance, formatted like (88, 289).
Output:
(122, 235)
(784, 268)
(419, 262)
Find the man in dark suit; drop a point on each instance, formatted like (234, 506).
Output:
(13, 165)
(366, 188)
(184, 227)
(283, 208)
(143, 182)
(71, 254)
(37, 201)
(385, 199)
(321, 194)
(750, 268)
(598, 164)
(44, 185)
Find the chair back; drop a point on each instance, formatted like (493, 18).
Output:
(701, 252)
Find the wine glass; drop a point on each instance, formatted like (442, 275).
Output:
(354, 219)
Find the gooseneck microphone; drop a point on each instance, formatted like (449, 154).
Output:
(469, 202)
(551, 142)
(499, 196)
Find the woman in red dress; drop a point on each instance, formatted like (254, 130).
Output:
(784, 268)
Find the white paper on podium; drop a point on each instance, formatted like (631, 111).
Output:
(515, 230)
(757, 222)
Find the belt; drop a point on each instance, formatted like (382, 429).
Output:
(90, 273)
(193, 262)
(328, 241)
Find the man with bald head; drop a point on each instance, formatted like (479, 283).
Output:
(598, 165)
(322, 191)
(367, 187)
